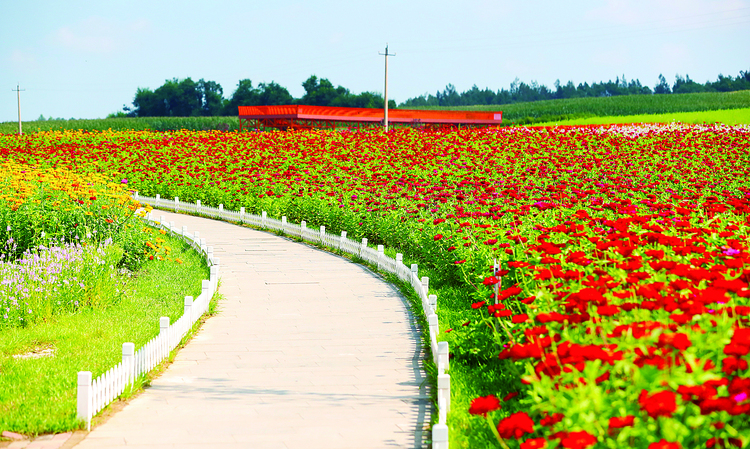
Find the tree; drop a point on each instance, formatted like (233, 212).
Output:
(273, 94)
(662, 87)
(147, 104)
(212, 97)
(244, 95)
(321, 92)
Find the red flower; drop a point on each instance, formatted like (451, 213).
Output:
(664, 444)
(551, 420)
(534, 443)
(732, 364)
(483, 405)
(438, 237)
(491, 280)
(516, 425)
(510, 396)
(479, 304)
(459, 262)
(618, 422)
(662, 403)
(676, 340)
(521, 318)
(578, 440)
(608, 310)
(716, 442)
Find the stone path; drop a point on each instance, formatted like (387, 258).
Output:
(308, 350)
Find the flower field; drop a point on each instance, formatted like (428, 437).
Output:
(592, 281)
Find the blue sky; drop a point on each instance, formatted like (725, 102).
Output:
(85, 59)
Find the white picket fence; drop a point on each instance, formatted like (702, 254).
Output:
(95, 394)
(374, 256)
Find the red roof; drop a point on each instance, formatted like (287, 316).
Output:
(329, 113)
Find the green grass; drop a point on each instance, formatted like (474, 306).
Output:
(39, 395)
(581, 108)
(728, 116)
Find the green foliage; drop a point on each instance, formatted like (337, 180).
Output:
(265, 94)
(179, 98)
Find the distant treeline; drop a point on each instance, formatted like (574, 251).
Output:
(521, 92)
(188, 98)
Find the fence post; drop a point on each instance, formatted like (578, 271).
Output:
(414, 269)
(425, 284)
(158, 199)
(128, 358)
(176, 204)
(432, 321)
(206, 289)
(263, 217)
(399, 258)
(440, 436)
(283, 224)
(210, 253)
(197, 206)
(221, 210)
(341, 240)
(242, 214)
(443, 355)
(184, 231)
(164, 335)
(189, 310)
(322, 233)
(84, 398)
(303, 229)
(444, 386)
(432, 299)
(381, 254)
(214, 276)
(362, 247)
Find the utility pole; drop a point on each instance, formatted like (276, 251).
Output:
(385, 109)
(18, 91)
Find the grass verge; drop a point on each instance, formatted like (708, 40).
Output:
(38, 394)
(728, 116)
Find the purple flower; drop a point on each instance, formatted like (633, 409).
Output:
(124, 181)
(730, 252)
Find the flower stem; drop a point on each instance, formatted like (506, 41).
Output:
(495, 432)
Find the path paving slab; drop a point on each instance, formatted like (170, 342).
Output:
(308, 350)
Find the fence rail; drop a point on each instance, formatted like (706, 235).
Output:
(96, 393)
(373, 256)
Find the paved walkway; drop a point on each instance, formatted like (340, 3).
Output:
(308, 350)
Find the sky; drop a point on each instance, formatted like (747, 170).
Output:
(86, 59)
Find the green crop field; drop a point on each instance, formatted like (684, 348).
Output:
(728, 116)
(230, 123)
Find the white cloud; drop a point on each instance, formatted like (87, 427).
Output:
(23, 62)
(665, 12)
(100, 35)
